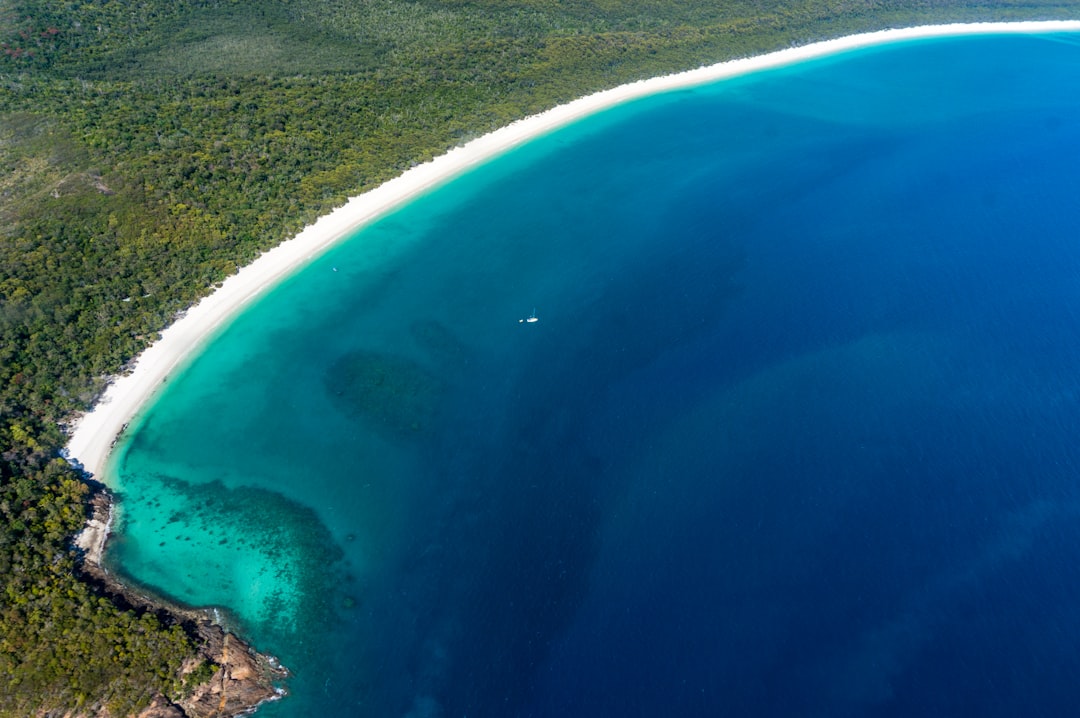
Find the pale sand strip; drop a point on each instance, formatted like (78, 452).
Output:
(95, 432)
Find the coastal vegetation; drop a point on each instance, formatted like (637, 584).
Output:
(149, 148)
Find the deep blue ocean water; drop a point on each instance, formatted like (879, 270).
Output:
(795, 433)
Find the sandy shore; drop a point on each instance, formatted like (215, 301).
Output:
(94, 434)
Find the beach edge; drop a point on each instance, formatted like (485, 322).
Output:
(93, 435)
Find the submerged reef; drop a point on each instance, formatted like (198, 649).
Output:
(441, 344)
(282, 560)
(227, 678)
(394, 395)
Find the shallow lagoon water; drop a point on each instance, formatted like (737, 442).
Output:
(794, 435)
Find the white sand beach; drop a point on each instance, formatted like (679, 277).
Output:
(94, 433)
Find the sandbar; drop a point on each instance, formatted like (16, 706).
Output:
(93, 434)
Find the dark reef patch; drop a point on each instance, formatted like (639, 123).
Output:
(256, 520)
(394, 395)
(441, 344)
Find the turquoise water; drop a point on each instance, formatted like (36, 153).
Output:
(794, 433)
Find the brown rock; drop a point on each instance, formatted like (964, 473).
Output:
(244, 680)
(161, 708)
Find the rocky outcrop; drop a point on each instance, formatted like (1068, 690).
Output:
(162, 708)
(92, 538)
(244, 680)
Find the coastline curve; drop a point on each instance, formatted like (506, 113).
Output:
(94, 434)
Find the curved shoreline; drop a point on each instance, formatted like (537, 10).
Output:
(94, 434)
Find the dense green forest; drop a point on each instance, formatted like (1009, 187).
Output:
(149, 147)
